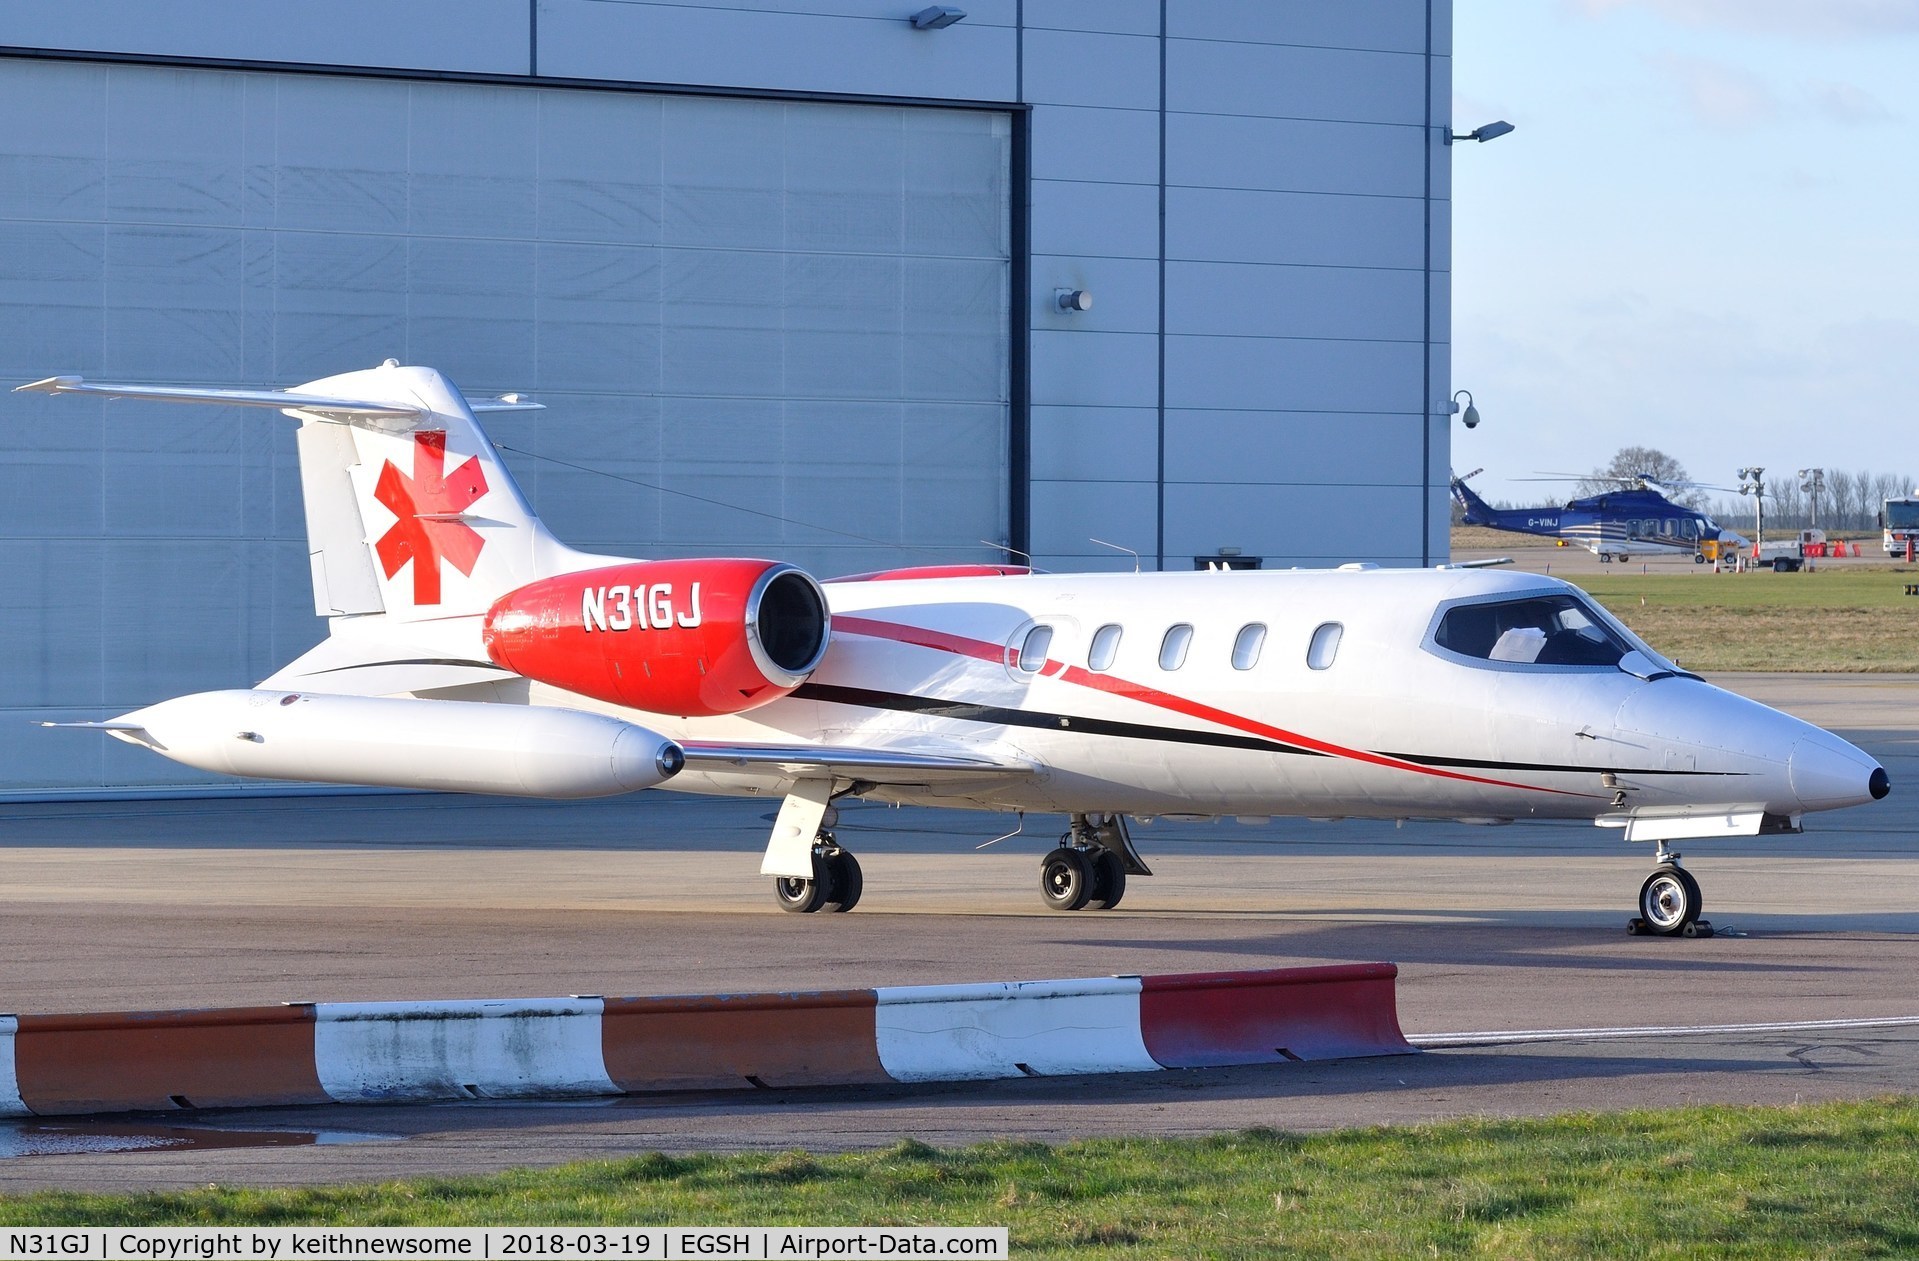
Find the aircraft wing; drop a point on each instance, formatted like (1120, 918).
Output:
(879, 766)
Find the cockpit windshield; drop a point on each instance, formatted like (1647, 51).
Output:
(1545, 630)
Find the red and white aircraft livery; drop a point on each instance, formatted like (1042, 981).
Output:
(469, 650)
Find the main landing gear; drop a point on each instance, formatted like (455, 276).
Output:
(1088, 871)
(836, 883)
(1670, 901)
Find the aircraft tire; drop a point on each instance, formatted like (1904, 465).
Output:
(847, 882)
(1065, 879)
(803, 897)
(1109, 881)
(1670, 900)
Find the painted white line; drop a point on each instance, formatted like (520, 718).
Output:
(10, 1105)
(1505, 1037)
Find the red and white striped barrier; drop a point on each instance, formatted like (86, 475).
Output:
(586, 1046)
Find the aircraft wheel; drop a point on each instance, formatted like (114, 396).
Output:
(1605, 558)
(1670, 900)
(801, 896)
(1109, 881)
(1698, 558)
(844, 872)
(1065, 879)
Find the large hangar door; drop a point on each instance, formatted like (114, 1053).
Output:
(760, 327)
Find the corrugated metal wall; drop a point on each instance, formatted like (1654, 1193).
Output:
(797, 307)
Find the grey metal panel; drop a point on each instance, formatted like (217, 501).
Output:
(598, 308)
(1095, 369)
(1068, 515)
(52, 167)
(1296, 155)
(1280, 81)
(1293, 448)
(1321, 229)
(52, 634)
(601, 167)
(1095, 220)
(472, 161)
(1125, 17)
(1385, 25)
(476, 36)
(1110, 442)
(1111, 146)
(173, 301)
(953, 477)
(1291, 522)
(1282, 374)
(880, 55)
(50, 305)
(1266, 300)
(470, 307)
(1125, 294)
(598, 488)
(1081, 68)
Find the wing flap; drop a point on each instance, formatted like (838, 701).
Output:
(883, 766)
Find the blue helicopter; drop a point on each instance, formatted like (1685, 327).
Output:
(1635, 520)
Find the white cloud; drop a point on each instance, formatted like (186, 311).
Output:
(1720, 95)
(1825, 18)
(1847, 104)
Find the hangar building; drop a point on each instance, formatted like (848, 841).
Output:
(793, 278)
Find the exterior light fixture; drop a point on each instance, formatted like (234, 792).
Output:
(937, 17)
(1471, 418)
(1073, 299)
(1491, 131)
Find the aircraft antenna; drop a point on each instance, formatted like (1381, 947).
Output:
(1116, 547)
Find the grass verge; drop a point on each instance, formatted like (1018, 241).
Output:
(1833, 619)
(1829, 1180)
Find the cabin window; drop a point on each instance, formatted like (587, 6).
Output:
(1324, 646)
(1547, 630)
(1247, 645)
(1104, 648)
(1032, 650)
(1172, 649)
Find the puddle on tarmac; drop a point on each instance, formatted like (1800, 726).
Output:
(89, 1138)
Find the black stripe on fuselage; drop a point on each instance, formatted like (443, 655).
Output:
(998, 715)
(1490, 764)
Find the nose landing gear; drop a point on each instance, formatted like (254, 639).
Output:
(1670, 901)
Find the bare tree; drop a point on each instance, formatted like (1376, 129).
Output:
(1647, 462)
(1843, 493)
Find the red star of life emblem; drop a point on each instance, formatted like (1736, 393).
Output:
(426, 505)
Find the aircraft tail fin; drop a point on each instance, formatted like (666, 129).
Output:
(410, 512)
(1477, 510)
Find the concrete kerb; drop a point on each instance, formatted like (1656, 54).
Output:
(584, 1046)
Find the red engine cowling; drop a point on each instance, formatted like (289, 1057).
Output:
(687, 637)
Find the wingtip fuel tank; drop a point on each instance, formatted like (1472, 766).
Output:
(448, 746)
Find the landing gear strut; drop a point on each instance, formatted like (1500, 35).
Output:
(811, 871)
(1088, 871)
(1670, 901)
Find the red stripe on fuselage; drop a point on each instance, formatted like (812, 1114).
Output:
(941, 641)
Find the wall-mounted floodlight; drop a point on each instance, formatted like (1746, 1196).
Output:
(1491, 131)
(1471, 418)
(1073, 299)
(938, 17)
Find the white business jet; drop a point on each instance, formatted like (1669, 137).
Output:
(469, 650)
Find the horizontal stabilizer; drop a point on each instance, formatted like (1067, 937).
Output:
(279, 399)
(112, 724)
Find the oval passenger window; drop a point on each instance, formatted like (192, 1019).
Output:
(1032, 650)
(1246, 647)
(1105, 647)
(1325, 645)
(1172, 649)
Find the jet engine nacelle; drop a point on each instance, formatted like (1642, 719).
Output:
(451, 746)
(688, 637)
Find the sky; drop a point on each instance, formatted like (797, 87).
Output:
(1703, 236)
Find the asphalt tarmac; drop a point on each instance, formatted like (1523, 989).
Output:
(137, 905)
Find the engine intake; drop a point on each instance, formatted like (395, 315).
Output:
(688, 637)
